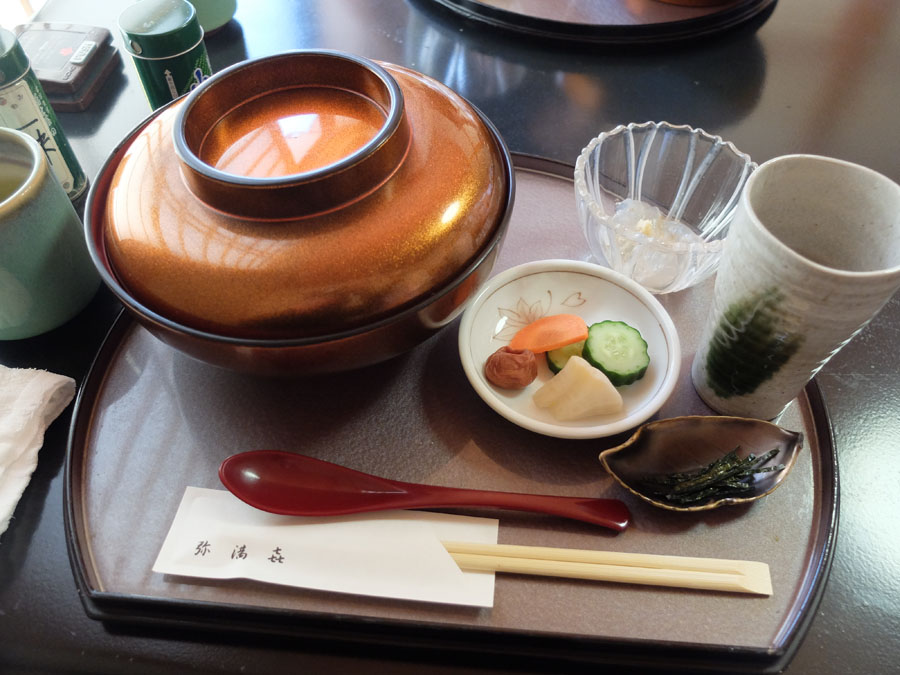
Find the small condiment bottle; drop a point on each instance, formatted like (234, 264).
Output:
(165, 40)
(24, 106)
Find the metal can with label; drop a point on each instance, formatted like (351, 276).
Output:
(165, 41)
(24, 106)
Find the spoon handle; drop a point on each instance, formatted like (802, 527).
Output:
(610, 513)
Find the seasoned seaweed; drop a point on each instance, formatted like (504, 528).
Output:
(727, 476)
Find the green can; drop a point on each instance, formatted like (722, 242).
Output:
(24, 106)
(165, 41)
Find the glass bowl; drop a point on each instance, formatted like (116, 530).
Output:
(656, 199)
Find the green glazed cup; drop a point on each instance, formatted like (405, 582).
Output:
(812, 255)
(46, 274)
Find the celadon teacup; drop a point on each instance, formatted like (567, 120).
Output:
(46, 274)
(812, 255)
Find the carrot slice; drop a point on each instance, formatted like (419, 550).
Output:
(550, 332)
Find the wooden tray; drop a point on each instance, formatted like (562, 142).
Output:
(150, 421)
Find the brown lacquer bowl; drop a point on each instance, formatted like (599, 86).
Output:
(307, 212)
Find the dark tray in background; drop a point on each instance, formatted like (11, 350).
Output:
(150, 421)
(612, 22)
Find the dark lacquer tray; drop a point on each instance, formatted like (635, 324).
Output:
(150, 422)
(613, 22)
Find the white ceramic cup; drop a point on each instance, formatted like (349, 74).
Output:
(46, 274)
(812, 255)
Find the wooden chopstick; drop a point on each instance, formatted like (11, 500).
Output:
(736, 576)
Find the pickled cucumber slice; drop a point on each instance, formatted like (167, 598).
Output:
(557, 358)
(618, 350)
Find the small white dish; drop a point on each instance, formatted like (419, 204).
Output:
(527, 292)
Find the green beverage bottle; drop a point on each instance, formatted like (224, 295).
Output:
(24, 106)
(165, 41)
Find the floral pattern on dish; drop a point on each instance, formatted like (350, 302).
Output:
(512, 319)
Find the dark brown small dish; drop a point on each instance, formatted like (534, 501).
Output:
(684, 444)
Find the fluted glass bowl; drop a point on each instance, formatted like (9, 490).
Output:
(656, 199)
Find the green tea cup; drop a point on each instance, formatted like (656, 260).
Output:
(46, 274)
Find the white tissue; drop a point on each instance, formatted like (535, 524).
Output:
(29, 401)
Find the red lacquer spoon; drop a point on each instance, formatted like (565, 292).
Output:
(296, 485)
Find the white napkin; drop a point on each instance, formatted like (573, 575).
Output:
(29, 401)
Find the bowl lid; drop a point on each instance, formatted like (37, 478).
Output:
(362, 212)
